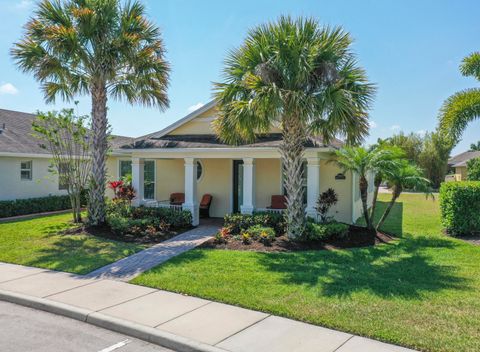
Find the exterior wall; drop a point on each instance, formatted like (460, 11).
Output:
(199, 125)
(216, 180)
(461, 173)
(342, 211)
(268, 181)
(42, 184)
(169, 178)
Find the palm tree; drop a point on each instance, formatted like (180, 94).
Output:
(405, 176)
(102, 48)
(361, 161)
(463, 107)
(475, 147)
(302, 77)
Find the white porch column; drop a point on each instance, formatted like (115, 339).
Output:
(138, 180)
(313, 185)
(248, 205)
(191, 203)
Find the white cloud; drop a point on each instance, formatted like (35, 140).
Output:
(195, 107)
(373, 124)
(395, 127)
(24, 5)
(8, 88)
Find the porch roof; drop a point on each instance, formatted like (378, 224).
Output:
(271, 140)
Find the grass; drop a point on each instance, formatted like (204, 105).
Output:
(421, 291)
(38, 242)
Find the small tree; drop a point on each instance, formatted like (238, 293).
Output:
(325, 201)
(408, 176)
(473, 169)
(69, 140)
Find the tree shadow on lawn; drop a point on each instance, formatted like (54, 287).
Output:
(400, 269)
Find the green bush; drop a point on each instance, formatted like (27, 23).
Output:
(473, 169)
(33, 205)
(261, 233)
(125, 219)
(460, 207)
(324, 231)
(238, 223)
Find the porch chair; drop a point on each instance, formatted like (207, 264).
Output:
(177, 198)
(205, 205)
(278, 202)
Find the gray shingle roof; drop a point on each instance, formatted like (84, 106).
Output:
(212, 141)
(17, 135)
(462, 158)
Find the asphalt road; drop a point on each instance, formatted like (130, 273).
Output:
(27, 330)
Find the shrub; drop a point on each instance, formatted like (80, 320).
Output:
(460, 207)
(325, 201)
(125, 219)
(324, 231)
(222, 235)
(261, 233)
(237, 223)
(246, 238)
(34, 205)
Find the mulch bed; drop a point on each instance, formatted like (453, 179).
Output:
(357, 237)
(474, 239)
(105, 232)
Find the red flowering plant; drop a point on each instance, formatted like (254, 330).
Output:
(122, 191)
(223, 234)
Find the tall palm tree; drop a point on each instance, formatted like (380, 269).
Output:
(300, 76)
(475, 147)
(379, 161)
(98, 47)
(463, 107)
(406, 175)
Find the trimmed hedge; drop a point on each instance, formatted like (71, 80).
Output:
(33, 205)
(460, 207)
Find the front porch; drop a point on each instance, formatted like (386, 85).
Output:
(236, 184)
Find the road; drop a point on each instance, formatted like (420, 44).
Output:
(27, 330)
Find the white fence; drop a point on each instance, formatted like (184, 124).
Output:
(163, 204)
(268, 210)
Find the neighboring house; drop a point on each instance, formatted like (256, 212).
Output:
(24, 165)
(458, 164)
(187, 157)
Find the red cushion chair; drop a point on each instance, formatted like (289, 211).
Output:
(177, 198)
(205, 205)
(278, 202)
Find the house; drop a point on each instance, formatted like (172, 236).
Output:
(187, 157)
(24, 164)
(459, 165)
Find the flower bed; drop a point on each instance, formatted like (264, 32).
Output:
(266, 232)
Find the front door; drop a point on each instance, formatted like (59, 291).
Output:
(237, 185)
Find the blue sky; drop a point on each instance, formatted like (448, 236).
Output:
(410, 49)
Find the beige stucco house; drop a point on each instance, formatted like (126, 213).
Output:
(458, 164)
(186, 157)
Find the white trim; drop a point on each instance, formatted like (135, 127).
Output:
(30, 169)
(26, 155)
(203, 170)
(180, 122)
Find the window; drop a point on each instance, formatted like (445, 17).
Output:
(26, 170)
(199, 170)
(125, 168)
(149, 179)
(62, 179)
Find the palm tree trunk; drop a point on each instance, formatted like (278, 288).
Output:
(395, 194)
(291, 151)
(377, 182)
(96, 205)
(363, 183)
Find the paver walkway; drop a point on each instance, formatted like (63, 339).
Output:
(127, 268)
(220, 326)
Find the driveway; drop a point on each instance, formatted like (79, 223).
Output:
(23, 329)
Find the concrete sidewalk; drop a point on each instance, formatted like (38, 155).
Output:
(179, 322)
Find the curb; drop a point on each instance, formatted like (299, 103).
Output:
(145, 333)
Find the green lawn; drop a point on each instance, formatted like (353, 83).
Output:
(37, 242)
(422, 291)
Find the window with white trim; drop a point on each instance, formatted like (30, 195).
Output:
(125, 168)
(26, 170)
(199, 170)
(149, 179)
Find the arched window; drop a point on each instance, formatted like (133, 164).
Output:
(199, 170)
